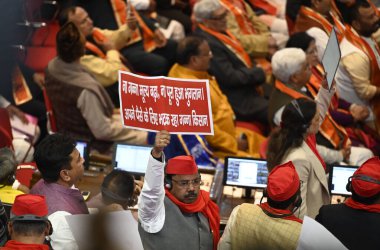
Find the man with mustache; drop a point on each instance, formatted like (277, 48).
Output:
(358, 75)
(177, 213)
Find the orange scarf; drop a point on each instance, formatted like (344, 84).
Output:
(120, 10)
(265, 206)
(374, 208)
(315, 16)
(92, 47)
(232, 43)
(241, 17)
(264, 5)
(204, 205)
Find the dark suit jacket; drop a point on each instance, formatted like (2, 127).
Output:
(356, 229)
(236, 80)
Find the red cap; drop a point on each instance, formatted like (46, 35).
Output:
(183, 164)
(366, 187)
(30, 204)
(283, 182)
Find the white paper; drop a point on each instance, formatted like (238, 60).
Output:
(331, 57)
(122, 230)
(314, 236)
(25, 129)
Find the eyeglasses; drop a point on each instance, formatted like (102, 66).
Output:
(186, 183)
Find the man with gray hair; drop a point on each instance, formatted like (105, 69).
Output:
(292, 71)
(237, 75)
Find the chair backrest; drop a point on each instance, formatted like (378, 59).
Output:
(24, 173)
(52, 124)
(37, 58)
(6, 136)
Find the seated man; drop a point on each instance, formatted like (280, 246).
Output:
(171, 29)
(193, 59)
(61, 167)
(252, 33)
(237, 76)
(270, 225)
(148, 51)
(316, 13)
(356, 221)
(358, 75)
(85, 111)
(292, 71)
(118, 187)
(102, 57)
(28, 225)
(179, 213)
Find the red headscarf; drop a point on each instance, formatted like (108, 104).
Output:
(204, 205)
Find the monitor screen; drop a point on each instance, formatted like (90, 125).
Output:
(84, 151)
(131, 158)
(245, 172)
(338, 179)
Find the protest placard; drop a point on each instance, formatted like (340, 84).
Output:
(180, 106)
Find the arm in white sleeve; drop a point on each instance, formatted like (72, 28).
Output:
(330, 155)
(151, 201)
(323, 102)
(62, 237)
(225, 242)
(102, 126)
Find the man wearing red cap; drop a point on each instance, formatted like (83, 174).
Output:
(61, 167)
(29, 224)
(270, 225)
(356, 222)
(179, 213)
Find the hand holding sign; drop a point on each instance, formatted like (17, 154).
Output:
(180, 106)
(161, 141)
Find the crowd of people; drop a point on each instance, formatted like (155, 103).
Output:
(269, 99)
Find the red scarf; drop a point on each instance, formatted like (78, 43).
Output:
(265, 206)
(15, 245)
(311, 141)
(374, 208)
(204, 205)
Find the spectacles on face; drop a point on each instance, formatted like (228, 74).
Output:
(186, 183)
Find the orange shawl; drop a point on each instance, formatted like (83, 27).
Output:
(232, 43)
(241, 17)
(204, 205)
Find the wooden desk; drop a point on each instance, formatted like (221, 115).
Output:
(91, 181)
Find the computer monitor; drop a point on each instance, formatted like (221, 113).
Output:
(245, 172)
(131, 158)
(338, 179)
(84, 150)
